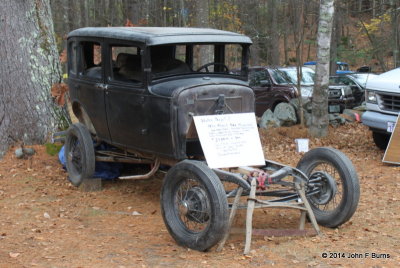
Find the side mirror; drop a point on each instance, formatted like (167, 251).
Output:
(265, 83)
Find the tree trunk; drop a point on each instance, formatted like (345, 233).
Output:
(182, 13)
(202, 17)
(255, 53)
(320, 121)
(335, 40)
(396, 37)
(84, 13)
(273, 40)
(29, 67)
(202, 21)
(297, 19)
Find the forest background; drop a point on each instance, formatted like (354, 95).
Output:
(365, 32)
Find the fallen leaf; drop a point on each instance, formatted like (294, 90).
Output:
(14, 254)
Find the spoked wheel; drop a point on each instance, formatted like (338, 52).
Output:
(194, 205)
(79, 154)
(333, 189)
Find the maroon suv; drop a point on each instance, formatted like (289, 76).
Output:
(270, 88)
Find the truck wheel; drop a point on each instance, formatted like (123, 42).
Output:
(381, 140)
(194, 205)
(333, 189)
(79, 154)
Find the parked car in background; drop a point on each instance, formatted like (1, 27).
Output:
(307, 79)
(361, 79)
(341, 67)
(345, 83)
(383, 106)
(340, 97)
(270, 88)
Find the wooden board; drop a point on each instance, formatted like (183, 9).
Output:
(392, 153)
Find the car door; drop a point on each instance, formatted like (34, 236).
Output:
(262, 87)
(88, 85)
(125, 96)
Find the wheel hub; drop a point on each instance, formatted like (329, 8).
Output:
(195, 205)
(326, 186)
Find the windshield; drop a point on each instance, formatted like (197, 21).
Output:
(341, 80)
(182, 59)
(279, 77)
(342, 66)
(306, 80)
(363, 78)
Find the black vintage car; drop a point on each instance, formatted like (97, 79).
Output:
(137, 89)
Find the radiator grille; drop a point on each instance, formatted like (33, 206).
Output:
(389, 102)
(334, 93)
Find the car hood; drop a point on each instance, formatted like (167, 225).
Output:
(167, 88)
(307, 91)
(389, 81)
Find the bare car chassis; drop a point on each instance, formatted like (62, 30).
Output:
(195, 199)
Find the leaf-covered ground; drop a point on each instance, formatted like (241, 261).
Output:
(46, 222)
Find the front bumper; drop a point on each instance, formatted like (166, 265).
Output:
(378, 121)
(343, 103)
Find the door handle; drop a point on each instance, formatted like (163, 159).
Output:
(101, 86)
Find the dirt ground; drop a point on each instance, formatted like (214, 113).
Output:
(47, 222)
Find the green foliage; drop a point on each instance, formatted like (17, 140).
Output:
(376, 25)
(224, 14)
(52, 148)
(310, 42)
(354, 56)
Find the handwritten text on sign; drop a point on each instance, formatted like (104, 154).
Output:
(230, 140)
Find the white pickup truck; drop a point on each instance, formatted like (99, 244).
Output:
(383, 106)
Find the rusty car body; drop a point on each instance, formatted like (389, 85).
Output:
(137, 90)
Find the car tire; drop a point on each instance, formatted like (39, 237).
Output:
(381, 140)
(194, 205)
(334, 183)
(79, 154)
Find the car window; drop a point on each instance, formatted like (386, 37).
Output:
(217, 58)
(341, 80)
(168, 60)
(91, 65)
(255, 77)
(278, 77)
(307, 78)
(126, 64)
(233, 56)
(202, 54)
(72, 57)
(342, 67)
(346, 81)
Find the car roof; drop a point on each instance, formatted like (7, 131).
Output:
(162, 35)
(295, 68)
(315, 63)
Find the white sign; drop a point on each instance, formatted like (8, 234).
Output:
(390, 126)
(302, 145)
(230, 140)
